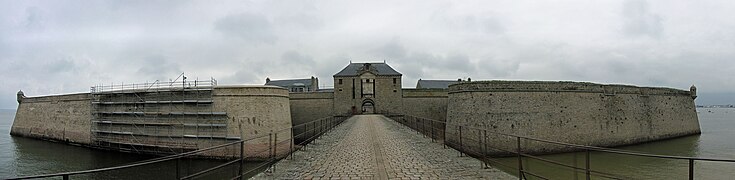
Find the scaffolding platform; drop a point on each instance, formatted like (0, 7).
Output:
(157, 118)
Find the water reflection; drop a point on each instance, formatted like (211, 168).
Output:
(21, 156)
(716, 141)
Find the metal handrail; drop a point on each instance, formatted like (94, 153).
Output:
(155, 85)
(519, 153)
(334, 121)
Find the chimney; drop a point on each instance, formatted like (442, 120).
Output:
(469, 79)
(314, 83)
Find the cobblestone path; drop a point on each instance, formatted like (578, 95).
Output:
(375, 147)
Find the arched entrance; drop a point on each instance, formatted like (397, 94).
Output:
(368, 106)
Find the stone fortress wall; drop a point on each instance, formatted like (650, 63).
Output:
(233, 113)
(425, 103)
(63, 118)
(307, 107)
(571, 112)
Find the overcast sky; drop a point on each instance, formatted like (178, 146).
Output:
(56, 47)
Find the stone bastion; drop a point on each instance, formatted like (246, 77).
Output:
(570, 112)
(162, 121)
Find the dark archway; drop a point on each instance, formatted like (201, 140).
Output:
(368, 106)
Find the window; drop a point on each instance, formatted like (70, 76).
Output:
(340, 81)
(395, 80)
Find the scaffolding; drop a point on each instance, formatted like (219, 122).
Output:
(157, 118)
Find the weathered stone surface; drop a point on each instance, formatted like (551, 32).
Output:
(425, 103)
(60, 118)
(255, 111)
(252, 111)
(375, 147)
(572, 112)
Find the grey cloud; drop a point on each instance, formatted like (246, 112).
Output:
(33, 20)
(301, 21)
(423, 61)
(246, 26)
(57, 47)
(62, 65)
(243, 76)
(639, 21)
(492, 25)
(427, 66)
(293, 58)
(498, 68)
(484, 24)
(159, 67)
(458, 62)
(392, 49)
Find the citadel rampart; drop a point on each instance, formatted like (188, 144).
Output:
(159, 121)
(425, 103)
(59, 118)
(572, 112)
(307, 107)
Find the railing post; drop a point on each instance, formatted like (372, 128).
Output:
(520, 161)
(444, 136)
(290, 147)
(461, 146)
(691, 169)
(313, 131)
(432, 131)
(423, 127)
(321, 127)
(242, 158)
(587, 164)
(416, 126)
(275, 145)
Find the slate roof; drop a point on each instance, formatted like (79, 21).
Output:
(379, 69)
(435, 84)
(289, 82)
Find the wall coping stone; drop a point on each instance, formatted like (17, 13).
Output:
(560, 86)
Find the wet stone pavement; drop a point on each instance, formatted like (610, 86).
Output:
(375, 147)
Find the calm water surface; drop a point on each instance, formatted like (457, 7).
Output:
(24, 156)
(716, 141)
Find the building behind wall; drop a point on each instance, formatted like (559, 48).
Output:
(296, 85)
(367, 88)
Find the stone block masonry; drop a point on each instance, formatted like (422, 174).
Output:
(63, 118)
(160, 121)
(375, 147)
(571, 112)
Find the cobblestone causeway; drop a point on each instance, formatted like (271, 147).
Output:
(375, 147)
